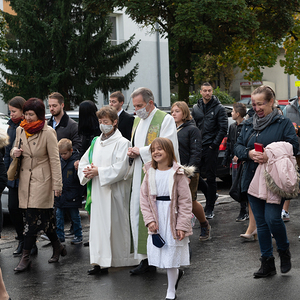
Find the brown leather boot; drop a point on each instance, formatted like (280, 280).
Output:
(25, 261)
(58, 249)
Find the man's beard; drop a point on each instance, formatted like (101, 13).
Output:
(56, 114)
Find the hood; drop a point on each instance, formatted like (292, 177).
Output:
(188, 123)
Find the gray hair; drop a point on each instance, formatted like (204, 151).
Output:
(146, 94)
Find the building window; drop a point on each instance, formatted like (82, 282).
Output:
(114, 33)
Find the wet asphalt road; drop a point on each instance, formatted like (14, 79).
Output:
(221, 268)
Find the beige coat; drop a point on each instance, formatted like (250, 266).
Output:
(40, 172)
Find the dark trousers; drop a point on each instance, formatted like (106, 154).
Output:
(16, 214)
(209, 187)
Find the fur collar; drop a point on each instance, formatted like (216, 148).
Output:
(176, 169)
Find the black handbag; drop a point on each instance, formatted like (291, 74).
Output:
(157, 240)
(235, 190)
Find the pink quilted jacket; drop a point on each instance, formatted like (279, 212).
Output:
(181, 199)
(278, 177)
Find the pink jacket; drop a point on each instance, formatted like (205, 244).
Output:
(181, 199)
(278, 177)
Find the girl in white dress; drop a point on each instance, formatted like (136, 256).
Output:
(166, 205)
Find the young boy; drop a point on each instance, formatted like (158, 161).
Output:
(238, 113)
(71, 197)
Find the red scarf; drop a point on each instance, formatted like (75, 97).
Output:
(17, 120)
(32, 127)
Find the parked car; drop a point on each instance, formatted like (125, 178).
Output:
(246, 101)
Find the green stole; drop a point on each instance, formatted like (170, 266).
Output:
(89, 183)
(153, 132)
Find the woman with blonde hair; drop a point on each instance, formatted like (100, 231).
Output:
(190, 144)
(265, 127)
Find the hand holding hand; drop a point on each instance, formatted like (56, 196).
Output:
(57, 193)
(133, 152)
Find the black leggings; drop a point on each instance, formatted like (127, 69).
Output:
(37, 220)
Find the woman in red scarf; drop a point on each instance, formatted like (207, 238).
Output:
(40, 176)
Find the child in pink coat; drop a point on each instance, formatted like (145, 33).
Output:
(166, 205)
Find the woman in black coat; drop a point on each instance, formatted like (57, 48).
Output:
(15, 106)
(88, 128)
(190, 144)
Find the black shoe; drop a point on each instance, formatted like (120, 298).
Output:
(142, 268)
(34, 250)
(180, 274)
(86, 244)
(267, 267)
(285, 260)
(242, 217)
(19, 249)
(96, 270)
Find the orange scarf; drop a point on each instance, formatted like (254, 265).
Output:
(32, 127)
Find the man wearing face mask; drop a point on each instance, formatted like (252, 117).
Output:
(149, 124)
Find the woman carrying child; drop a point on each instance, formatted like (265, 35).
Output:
(166, 205)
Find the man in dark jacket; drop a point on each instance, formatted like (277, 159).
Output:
(64, 126)
(125, 122)
(211, 118)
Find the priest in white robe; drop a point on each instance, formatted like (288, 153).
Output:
(106, 164)
(149, 124)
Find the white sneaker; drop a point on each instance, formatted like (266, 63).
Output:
(44, 237)
(285, 216)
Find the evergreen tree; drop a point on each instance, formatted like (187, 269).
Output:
(57, 45)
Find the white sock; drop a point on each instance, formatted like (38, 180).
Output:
(172, 274)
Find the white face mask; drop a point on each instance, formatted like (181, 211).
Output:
(106, 128)
(142, 113)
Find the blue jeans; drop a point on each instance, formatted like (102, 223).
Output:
(268, 221)
(60, 222)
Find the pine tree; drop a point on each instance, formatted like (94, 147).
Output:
(57, 45)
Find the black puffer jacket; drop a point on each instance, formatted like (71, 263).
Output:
(67, 128)
(190, 144)
(213, 123)
(233, 133)
(72, 190)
